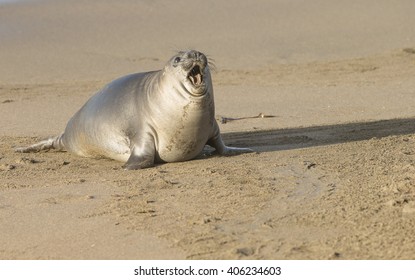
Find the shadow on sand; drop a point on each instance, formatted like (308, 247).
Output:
(295, 138)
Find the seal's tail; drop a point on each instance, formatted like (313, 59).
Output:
(48, 144)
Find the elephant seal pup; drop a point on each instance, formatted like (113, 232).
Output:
(143, 118)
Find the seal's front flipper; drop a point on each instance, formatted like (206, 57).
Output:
(138, 162)
(230, 151)
(217, 143)
(141, 157)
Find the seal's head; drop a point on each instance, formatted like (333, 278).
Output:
(192, 70)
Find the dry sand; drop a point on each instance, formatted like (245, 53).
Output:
(334, 176)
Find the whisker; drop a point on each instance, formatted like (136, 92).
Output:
(211, 63)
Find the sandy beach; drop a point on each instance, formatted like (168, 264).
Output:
(333, 176)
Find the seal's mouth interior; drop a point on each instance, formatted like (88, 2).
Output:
(195, 75)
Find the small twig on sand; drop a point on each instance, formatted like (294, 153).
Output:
(260, 116)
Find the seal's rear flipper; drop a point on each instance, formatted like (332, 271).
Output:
(48, 144)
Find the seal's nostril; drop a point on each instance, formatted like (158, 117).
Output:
(194, 54)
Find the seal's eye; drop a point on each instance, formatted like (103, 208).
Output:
(176, 60)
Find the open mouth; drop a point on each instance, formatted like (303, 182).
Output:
(195, 76)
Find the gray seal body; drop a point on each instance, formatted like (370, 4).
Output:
(143, 118)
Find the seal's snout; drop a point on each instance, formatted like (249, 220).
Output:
(198, 63)
(196, 75)
(193, 54)
(193, 69)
